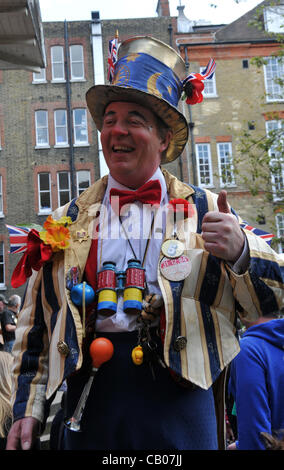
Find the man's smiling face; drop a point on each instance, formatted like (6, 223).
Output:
(131, 143)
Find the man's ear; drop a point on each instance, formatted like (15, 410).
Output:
(166, 140)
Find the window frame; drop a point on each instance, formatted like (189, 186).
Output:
(224, 183)
(82, 77)
(273, 18)
(212, 82)
(40, 80)
(279, 231)
(40, 191)
(198, 156)
(2, 247)
(46, 144)
(1, 197)
(276, 94)
(77, 181)
(59, 190)
(79, 143)
(274, 125)
(56, 126)
(53, 62)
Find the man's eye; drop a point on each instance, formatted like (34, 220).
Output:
(108, 122)
(136, 122)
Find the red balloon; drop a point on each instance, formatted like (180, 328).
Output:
(101, 350)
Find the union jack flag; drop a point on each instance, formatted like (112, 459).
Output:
(112, 57)
(206, 74)
(18, 238)
(261, 233)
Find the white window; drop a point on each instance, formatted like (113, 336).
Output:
(275, 130)
(77, 62)
(83, 181)
(60, 123)
(273, 19)
(204, 168)
(273, 72)
(57, 63)
(63, 185)
(2, 264)
(1, 196)
(41, 124)
(44, 193)
(39, 77)
(225, 162)
(80, 126)
(280, 231)
(209, 86)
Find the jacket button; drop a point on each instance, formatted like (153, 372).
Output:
(63, 348)
(180, 343)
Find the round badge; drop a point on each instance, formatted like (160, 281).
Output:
(175, 269)
(172, 248)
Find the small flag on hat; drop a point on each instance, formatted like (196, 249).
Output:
(112, 57)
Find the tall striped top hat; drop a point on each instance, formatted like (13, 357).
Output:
(150, 73)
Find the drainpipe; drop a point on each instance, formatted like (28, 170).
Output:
(191, 127)
(69, 112)
(170, 29)
(99, 76)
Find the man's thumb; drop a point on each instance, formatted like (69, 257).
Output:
(222, 202)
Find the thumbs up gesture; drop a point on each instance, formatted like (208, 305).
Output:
(221, 232)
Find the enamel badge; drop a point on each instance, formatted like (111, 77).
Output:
(172, 248)
(175, 269)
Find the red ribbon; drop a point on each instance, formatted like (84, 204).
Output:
(36, 254)
(181, 206)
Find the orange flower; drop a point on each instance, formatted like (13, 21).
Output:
(50, 222)
(57, 237)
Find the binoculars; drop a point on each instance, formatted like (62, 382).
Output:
(111, 283)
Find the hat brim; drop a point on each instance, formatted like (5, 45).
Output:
(99, 96)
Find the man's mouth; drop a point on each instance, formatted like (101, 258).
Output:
(120, 148)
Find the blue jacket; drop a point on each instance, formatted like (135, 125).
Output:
(257, 383)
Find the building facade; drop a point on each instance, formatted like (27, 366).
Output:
(50, 148)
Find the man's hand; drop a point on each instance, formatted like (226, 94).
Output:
(221, 232)
(23, 434)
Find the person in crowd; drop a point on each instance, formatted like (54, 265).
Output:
(3, 303)
(133, 286)
(6, 361)
(257, 382)
(9, 321)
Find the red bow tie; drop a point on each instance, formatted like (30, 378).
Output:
(149, 193)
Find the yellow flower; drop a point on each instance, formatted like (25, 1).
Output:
(56, 233)
(57, 237)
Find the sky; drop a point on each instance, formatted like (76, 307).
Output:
(226, 11)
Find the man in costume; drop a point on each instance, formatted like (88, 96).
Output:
(167, 283)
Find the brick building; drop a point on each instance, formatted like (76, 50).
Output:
(241, 97)
(50, 150)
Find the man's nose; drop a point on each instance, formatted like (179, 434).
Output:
(119, 128)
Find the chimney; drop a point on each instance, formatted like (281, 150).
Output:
(163, 8)
(184, 25)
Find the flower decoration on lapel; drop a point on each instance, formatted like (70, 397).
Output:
(39, 247)
(181, 207)
(56, 233)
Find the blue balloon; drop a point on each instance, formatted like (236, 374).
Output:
(77, 294)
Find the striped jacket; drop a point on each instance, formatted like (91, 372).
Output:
(202, 308)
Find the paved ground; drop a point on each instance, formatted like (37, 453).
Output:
(53, 409)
